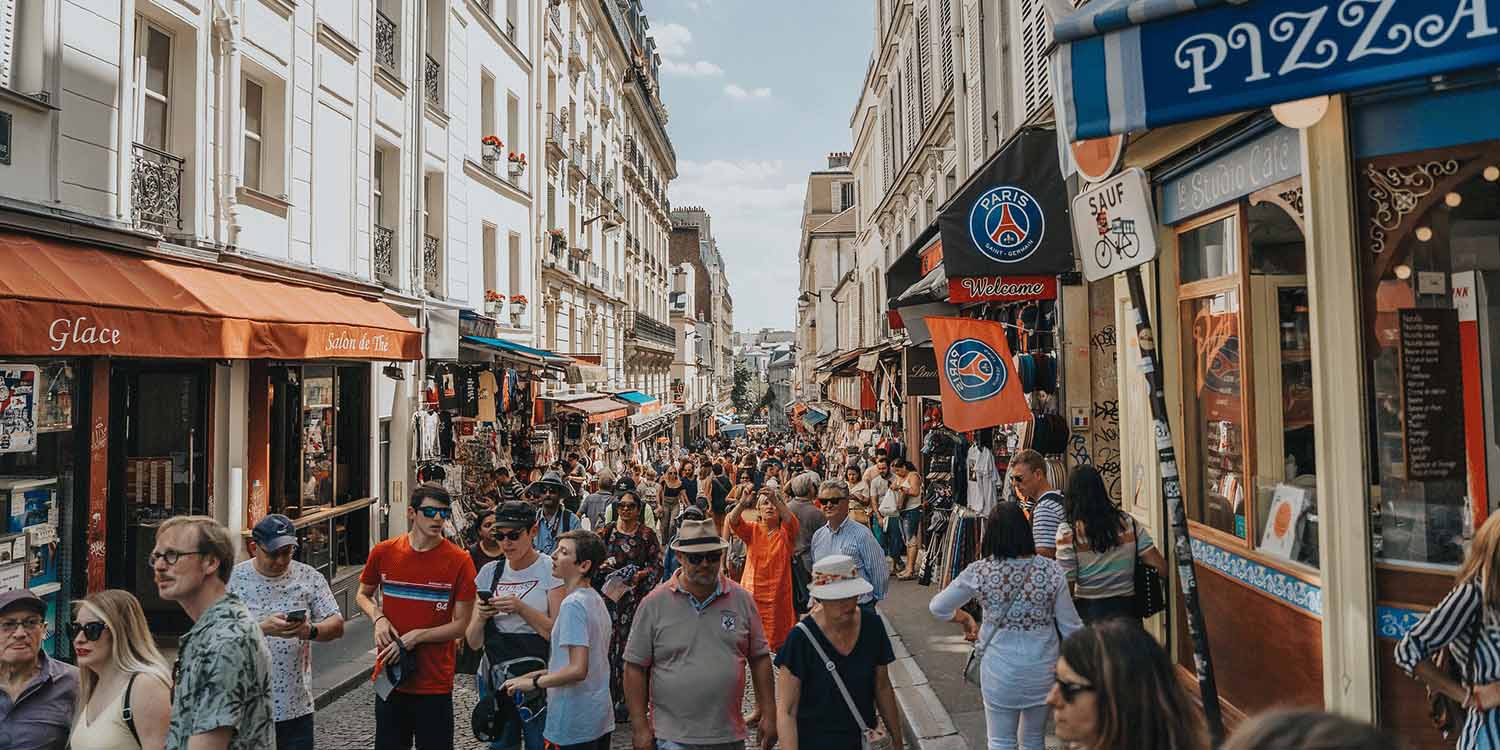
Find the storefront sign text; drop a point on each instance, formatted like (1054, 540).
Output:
(1265, 161)
(1432, 394)
(64, 331)
(365, 343)
(921, 372)
(1001, 288)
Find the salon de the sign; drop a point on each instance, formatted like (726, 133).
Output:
(1240, 56)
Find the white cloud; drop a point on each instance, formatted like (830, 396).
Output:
(672, 39)
(736, 91)
(698, 69)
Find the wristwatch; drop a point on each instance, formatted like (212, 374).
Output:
(312, 632)
(536, 682)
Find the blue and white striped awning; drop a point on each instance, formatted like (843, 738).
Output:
(1130, 65)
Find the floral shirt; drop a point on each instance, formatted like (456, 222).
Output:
(222, 679)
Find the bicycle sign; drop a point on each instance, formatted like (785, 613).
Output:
(1114, 225)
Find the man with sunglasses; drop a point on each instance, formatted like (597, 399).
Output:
(426, 588)
(840, 537)
(295, 606)
(688, 651)
(38, 694)
(1028, 477)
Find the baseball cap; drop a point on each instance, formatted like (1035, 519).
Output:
(22, 599)
(274, 532)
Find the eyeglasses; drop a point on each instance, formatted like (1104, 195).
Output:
(171, 556)
(698, 558)
(432, 511)
(1070, 690)
(91, 631)
(11, 626)
(827, 501)
(628, 505)
(510, 536)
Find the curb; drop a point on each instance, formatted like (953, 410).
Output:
(925, 721)
(340, 688)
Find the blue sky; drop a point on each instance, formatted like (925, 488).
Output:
(759, 92)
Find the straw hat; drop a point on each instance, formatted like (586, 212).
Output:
(698, 536)
(837, 577)
(551, 480)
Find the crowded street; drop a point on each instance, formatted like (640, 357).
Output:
(728, 375)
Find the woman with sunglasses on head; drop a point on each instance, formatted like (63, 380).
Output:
(633, 556)
(1116, 690)
(119, 668)
(1025, 603)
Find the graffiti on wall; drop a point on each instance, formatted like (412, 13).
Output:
(1104, 419)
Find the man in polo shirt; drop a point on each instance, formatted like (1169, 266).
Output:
(692, 639)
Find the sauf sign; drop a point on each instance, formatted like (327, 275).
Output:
(1241, 55)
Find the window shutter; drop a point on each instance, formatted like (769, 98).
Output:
(913, 103)
(835, 194)
(945, 28)
(1035, 32)
(924, 60)
(7, 39)
(974, 80)
(885, 153)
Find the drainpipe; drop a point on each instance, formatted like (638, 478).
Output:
(419, 198)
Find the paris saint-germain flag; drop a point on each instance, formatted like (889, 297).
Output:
(1011, 217)
(976, 374)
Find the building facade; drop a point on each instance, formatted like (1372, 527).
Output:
(693, 244)
(826, 261)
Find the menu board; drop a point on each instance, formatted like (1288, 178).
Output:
(1432, 413)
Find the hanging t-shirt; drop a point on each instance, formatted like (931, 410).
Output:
(984, 480)
(487, 390)
(419, 590)
(448, 389)
(530, 584)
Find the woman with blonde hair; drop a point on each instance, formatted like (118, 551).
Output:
(114, 647)
(1459, 623)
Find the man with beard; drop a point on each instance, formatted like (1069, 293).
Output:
(553, 520)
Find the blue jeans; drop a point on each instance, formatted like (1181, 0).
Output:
(528, 737)
(295, 734)
(911, 521)
(600, 744)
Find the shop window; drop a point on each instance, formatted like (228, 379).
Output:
(320, 437)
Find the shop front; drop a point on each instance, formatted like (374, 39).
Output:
(148, 376)
(1325, 319)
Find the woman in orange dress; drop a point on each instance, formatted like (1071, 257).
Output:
(767, 576)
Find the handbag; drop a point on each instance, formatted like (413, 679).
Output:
(1448, 715)
(976, 657)
(870, 738)
(1150, 589)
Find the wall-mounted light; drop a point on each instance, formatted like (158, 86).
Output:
(1454, 200)
(1492, 173)
(394, 372)
(1424, 234)
(1403, 272)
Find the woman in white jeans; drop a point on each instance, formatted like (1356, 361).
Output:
(1025, 601)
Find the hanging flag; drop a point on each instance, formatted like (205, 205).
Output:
(978, 381)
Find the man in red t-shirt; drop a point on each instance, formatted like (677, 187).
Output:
(426, 586)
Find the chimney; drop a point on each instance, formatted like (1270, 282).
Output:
(839, 160)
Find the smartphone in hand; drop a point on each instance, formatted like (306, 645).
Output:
(484, 596)
(296, 615)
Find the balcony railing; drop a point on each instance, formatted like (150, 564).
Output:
(432, 80)
(432, 265)
(155, 189)
(646, 328)
(385, 43)
(575, 266)
(575, 51)
(593, 78)
(385, 254)
(556, 137)
(554, 15)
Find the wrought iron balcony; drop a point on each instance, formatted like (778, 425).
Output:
(155, 189)
(385, 255)
(554, 16)
(575, 51)
(593, 78)
(606, 106)
(432, 81)
(432, 265)
(386, 41)
(642, 327)
(575, 266)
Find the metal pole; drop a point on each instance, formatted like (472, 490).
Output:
(1171, 489)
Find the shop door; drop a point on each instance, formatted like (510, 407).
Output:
(158, 420)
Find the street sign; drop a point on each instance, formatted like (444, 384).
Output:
(1114, 225)
(1098, 158)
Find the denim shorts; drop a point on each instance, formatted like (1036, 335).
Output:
(910, 520)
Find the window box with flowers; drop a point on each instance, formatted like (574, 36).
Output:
(493, 147)
(517, 164)
(493, 302)
(555, 236)
(517, 305)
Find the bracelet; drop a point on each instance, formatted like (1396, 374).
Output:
(378, 619)
(536, 682)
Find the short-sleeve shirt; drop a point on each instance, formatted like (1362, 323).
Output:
(1100, 575)
(697, 654)
(574, 714)
(1046, 515)
(419, 590)
(823, 718)
(530, 584)
(44, 714)
(223, 680)
(301, 587)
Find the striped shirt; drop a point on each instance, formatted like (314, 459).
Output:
(1462, 623)
(1100, 575)
(1046, 516)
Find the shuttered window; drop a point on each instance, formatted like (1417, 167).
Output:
(913, 104)
(885, 153)
(7, 39)
(974, 80)
(945, 30)
(924, 60)
(1036, 34)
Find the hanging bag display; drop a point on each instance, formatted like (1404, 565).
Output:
(1150, 589)
(870, 738)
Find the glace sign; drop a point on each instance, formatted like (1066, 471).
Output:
(1113, 225)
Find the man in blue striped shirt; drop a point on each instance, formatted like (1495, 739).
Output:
(1028, 475)
(841, 537)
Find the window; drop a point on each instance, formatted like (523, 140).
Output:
(22, 51)
(487, 106)
(490, 261)
(252, 96)
(153, 74)
(377, 185)
(510, 19)
(516, 285)
(513, 122)
(846, 196)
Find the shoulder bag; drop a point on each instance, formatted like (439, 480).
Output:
(129, 716)
(1150, 589)
(1448, 715)
(870, 738)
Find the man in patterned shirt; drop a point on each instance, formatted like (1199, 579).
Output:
(221, 694)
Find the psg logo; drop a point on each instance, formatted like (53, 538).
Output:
(974, 369)
(1007, 224)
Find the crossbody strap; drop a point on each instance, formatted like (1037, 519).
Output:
(126, 714)
(834, 673)
(1135, 542)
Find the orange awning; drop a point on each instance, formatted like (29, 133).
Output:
(598, 409)
(66, 299)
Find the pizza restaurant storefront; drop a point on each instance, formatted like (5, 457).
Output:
(162, 387)
(1326, 317)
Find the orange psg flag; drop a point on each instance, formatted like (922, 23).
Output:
(976, 374)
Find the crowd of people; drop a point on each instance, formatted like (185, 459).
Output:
(589, 600)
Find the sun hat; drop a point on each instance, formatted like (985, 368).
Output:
(698, 536)
(550, 480)
(515, 514)
(837, 577)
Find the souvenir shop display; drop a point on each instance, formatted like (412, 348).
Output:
(18, 408)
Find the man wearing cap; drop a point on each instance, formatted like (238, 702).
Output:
(38, 694)
(295, 606)
(553, 520)
(688, 650)
(840, 537)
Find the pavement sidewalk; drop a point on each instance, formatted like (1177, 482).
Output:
(942, 711)
(340, 666)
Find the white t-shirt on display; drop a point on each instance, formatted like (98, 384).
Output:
(530, 584)
(984, 480)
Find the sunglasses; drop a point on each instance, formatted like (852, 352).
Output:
(827, 501)
(698, 558)
(91, 631)
(432, 511)
(509, 536)
(1070, 690)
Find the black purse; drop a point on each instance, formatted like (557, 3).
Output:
(1150, 587)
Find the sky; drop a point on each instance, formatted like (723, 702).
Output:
(759, 92)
